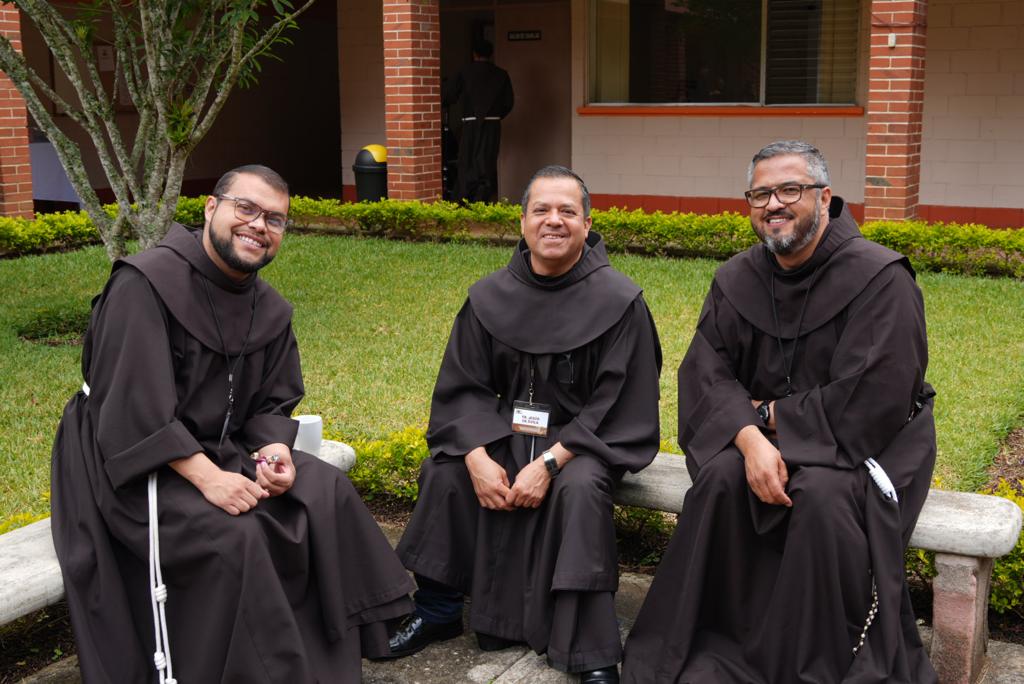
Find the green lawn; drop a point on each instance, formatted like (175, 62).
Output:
(372, 319)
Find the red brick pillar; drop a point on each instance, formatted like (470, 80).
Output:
(412, 98)
(15, 167)
(895, 104)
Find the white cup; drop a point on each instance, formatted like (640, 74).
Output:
(311, 434)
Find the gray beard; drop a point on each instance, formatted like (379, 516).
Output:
(798, 239)
(226, 251)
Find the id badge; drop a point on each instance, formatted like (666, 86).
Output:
(530, 419)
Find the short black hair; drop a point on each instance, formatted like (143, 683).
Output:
(556, 171)
(264, 173)
(483, 48)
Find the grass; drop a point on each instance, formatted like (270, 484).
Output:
(373, 316)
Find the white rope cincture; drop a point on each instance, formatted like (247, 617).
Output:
(158, 593)
(157, 588)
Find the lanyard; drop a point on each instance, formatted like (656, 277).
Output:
(787, 362)
(232, 367)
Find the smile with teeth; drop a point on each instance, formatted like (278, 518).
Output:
(253, 242)
(777, 220)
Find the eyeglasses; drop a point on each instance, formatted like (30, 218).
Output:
(247, 211)
(787, 193)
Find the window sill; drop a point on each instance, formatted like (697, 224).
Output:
(719, 110)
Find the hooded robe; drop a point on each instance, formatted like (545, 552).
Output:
(545, 576)
(757, 593)
(292, 591)
(486, 94)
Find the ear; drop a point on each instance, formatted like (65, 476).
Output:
(211, 206)
(522, 225)
(588, 222)
(826, 200)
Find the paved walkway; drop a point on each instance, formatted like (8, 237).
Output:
(459, 660)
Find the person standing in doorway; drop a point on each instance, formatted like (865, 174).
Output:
(485, 91)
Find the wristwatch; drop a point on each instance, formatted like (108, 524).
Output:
(550, 463)
(764, 410)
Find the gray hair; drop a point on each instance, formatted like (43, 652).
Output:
(555, 171)
(817, 167)
(264, 173)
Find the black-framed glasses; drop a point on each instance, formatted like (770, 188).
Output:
(248, 211)
(787, 193)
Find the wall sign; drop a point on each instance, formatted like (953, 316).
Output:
(514, 36)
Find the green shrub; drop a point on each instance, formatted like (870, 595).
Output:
(190, 211)
(969, 248)
(1008, 573)
(391, 465)
(62, 230)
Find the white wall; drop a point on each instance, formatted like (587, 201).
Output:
(361, 67)
(973, 147)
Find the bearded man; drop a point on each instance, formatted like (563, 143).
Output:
(805, 375)
(263, 563)
(547, 394)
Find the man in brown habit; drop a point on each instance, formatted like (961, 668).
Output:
(547, 394)
(808, 431)
(268, 568)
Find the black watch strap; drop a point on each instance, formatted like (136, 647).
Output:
(764, 411)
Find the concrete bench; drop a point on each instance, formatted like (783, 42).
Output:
(966, 532)
(30, 576)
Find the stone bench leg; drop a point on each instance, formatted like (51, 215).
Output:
(960, 617)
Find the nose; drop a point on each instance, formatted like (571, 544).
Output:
(774, 204)
(553, 216)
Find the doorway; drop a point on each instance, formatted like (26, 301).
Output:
(532, 43)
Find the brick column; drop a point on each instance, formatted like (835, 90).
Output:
(895, 104)
(412, 98)
(15, 167)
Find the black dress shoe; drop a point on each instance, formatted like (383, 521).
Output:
(605, 675)
(489, 642)
(415, 634)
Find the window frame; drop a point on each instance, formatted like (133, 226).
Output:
(851, 109)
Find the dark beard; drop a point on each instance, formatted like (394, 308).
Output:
(226, 251)
(802, 234)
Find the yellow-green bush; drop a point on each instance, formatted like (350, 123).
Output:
(967, 248)
(1008, 573)
(391, 465)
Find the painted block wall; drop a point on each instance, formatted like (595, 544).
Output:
(973, 147)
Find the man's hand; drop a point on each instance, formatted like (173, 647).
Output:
(490, 481)
(533, 481)
(531, 486)
(766, 471)
(231, 492)
(278, 477)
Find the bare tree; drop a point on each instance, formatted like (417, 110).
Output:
(176, 61)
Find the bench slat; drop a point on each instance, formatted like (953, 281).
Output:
(950, 522)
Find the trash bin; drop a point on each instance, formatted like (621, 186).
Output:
(371, 170)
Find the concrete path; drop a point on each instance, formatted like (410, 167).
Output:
(459, 660)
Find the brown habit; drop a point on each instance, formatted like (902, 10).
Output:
(292, 591)
(754, 593)
(545, 576)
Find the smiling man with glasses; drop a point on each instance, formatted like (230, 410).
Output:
(807, 367)
(179, 449)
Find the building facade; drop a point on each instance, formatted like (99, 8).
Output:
(659, 104)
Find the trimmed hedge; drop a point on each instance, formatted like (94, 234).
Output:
(960, 248)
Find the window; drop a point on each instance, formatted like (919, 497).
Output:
(767, 52)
